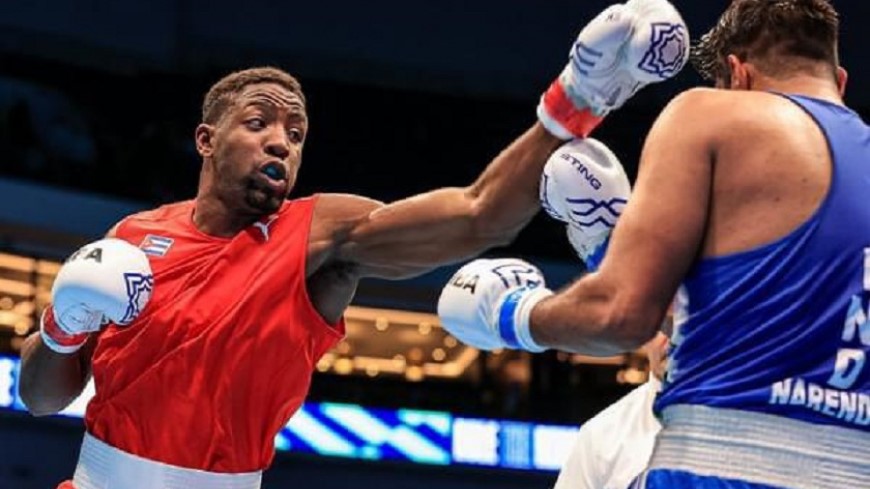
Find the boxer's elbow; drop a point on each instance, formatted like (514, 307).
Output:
(493, 226)
(628, 324)
(39, 411)
(40, 404)
(592, 318)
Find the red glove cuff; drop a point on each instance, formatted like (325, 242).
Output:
(56, 338)
(561, 110)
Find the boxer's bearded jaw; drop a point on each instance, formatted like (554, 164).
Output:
(263, 194)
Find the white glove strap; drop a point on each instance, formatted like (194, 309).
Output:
(513, 317)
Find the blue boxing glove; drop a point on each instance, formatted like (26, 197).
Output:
(487, 303)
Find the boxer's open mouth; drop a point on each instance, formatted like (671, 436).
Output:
(274, 170)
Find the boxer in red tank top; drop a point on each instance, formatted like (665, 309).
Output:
(230, 317)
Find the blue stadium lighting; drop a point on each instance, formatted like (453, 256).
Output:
(304, 430)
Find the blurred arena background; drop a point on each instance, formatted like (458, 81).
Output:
(98, 102)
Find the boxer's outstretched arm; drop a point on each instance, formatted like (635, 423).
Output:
(414, 235)
(653, 245)
(417, 234)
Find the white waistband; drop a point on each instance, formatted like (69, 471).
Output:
(761, 448)
(102, 466)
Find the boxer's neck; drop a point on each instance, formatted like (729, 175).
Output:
(807, 85)
(213, 217)
(213, 213)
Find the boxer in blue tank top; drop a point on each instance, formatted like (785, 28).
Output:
(752, 207)
(768, 385)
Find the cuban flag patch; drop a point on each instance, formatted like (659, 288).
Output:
(156, 245)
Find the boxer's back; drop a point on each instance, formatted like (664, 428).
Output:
(771, 170)
(771, 318)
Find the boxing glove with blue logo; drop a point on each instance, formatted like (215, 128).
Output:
(623, 49)
(487, 302)
(109, 280)
(585, 186)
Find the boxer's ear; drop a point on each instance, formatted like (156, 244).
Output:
(842, 79)
(740, 78)
(204, 137)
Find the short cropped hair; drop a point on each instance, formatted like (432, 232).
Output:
(778, 36)
(222, 94)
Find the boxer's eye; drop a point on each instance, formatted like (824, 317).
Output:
(255, 123)
(295, 135)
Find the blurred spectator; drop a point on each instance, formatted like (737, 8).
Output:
(44, 129)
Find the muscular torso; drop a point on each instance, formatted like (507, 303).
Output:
(763, 193)
(227, 343)
(773, 319)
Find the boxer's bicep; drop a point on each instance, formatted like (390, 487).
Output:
(662, 229)
(403, 238)
(113, 230)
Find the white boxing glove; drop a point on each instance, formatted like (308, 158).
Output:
(623, 49)
(109, 280)
(487, 303)
(585, 186)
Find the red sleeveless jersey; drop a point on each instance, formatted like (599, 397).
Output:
(223, 353)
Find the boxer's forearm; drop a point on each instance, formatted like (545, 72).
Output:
(592, 317)
(50, 381)
(505, 195)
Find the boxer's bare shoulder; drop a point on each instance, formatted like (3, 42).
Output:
(335, 217)
(751, 141)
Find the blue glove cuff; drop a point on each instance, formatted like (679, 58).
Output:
(506, 326)
(513, 317)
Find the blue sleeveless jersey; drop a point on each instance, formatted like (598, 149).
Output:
(783, 328)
